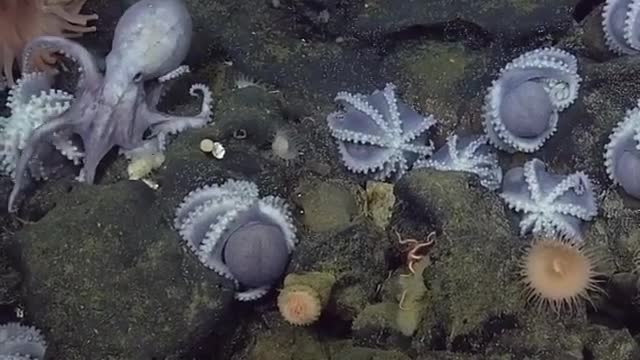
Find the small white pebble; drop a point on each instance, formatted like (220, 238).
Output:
(218, 150)
(207, 145)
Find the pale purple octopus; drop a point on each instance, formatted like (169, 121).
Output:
(552, 204)
(522, 105)
(238, 235)
(620, 23)
(469, 154)
(118, 109)
(622, 153)
(379, 134)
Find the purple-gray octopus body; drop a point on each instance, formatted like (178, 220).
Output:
(470, 154)
(552, 204)
(622, 153)
(620, 20)
(238, 235)
(378, 133)
(118, 108)
(522, 105)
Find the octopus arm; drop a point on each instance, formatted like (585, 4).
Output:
(161, 123)
(91, 76)
(40, 134)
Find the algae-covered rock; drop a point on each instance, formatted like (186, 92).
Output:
(444, 79)
(108, 279)
(346, 351)
(280, 341)
(474, 274)
(330, 205)
(540, 335)
(611, 344)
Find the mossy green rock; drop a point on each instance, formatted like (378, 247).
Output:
(447, 80)
(329, 205)
(108, 279)
(473, 276)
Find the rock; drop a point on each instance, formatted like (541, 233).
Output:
(503, 19)
(610, 344)
(472, 280)
(447, 80)
(108, 278)
(328, 205)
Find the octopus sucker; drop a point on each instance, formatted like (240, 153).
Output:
(379, 134)
(553, 205)
(521, 106)
(470, 154)
(619, 22)
(23, 20)
(238, 234)
(118, 108)
(622, 153)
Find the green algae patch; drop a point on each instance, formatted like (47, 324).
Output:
(443, 79)
(104, 261)
(330, 205)
(474, 274)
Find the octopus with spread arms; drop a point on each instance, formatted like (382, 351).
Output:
(118, 108)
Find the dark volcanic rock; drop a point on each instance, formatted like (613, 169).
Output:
(108, 278)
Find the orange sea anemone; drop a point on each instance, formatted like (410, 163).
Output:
(299, 305)
(23, 20)
(559, 273)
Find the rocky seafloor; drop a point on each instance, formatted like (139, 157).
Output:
(100, 270)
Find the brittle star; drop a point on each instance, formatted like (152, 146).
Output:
(415, 246)
(413, 257)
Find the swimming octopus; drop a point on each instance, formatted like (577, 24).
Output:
(118, 108)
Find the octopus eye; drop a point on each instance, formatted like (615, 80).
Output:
(137, 77)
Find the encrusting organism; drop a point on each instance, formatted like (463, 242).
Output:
(23, 20)
(378, 133)
(558, 273)
(620, 25)
(469, 154)
(521, 107)
(622, 153)
(552, 204)
(238, 234)
(19, 342)
(303, 296)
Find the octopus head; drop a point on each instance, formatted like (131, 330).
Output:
(256, 253)
(151, 39)
(628, 171)
(527, 109)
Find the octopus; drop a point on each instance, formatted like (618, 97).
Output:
(619, 20)
(119, 108)
(622, 153)
(20, 342)
(553, 205)
(23, 20)
(469, 154)
(237, 234)
(522, 105)
(379, 134)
